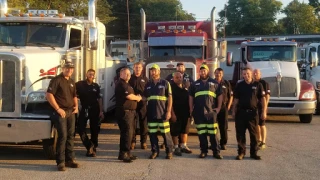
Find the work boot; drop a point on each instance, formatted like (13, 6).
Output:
(186, 150)
(126, 158)
(61, 167)
(143, 145)
(203, 155)
(177, 152)
(133, 145)
(240, 156)
(91, 152)
(223, 147)
(255, 156)
(169, 156)
(72, 164)
(217, 156)
(153, 155)
(132, 157)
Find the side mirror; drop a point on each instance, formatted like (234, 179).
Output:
(314, 59)
(229, 59)
(303, 53)
(93, 38)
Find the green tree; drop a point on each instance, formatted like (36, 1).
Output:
(316, 5)
(156, 10)
(250, 17)
(70, 7)
(300, 19)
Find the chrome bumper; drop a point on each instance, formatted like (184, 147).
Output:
(24, 130)
(291, 107)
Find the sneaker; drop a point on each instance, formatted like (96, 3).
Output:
(72, 164)
(153, 155)
(162, 146)
(177, 152)
(186, 150)
(240, 157)
(61, 167)
(203, 155)
(217, 156)
(143, 145)
(169, 156)
(256, 157)
(262, 146)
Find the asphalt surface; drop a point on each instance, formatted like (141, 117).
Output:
(292, 153)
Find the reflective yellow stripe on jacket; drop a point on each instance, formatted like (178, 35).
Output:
(209, 93)
(161, 98)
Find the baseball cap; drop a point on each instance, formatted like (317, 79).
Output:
(155, 66)
(204, 66)
(68, 64)
(180, 64)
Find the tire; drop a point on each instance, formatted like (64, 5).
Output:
(318, 109)
(305, 118)
(49, 146)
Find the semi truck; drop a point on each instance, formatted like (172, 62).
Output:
(193, 42)
(277, 60)
(33, 47)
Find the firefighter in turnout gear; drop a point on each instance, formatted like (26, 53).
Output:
(205, 99)
(158, 94)
(247, 95)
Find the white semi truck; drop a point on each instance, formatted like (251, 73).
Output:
(33, 46)
(277, 60)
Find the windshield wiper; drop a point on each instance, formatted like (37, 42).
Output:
(42, 45)
(9, 44)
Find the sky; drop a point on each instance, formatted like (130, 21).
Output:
(202, 8)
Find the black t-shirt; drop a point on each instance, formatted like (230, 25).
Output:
(122, 90)
(265, 86)
(88, 93)
(63, 91)
(138, 83)
(248, 94)
(226, 91)
(180, 97)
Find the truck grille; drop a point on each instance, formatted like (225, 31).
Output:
(7, 86)
(287, 87)
(166, 71)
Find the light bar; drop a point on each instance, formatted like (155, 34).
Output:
(44, 12)
(33, 12)
(53, 12)
(181, 27)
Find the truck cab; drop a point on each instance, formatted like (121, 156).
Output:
(277, 61)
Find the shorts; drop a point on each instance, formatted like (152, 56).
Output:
(181, 126)
(261, 121)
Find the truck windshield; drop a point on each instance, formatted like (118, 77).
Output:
(271, 53)
(32, 34)
(194, 51)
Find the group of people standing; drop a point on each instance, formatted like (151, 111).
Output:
(168, 106)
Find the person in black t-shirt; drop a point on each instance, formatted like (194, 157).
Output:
(91, 108)
(262, 130)
(126, 105)
(61, 94)
(180, 118)
(138, 82)
(245, 112)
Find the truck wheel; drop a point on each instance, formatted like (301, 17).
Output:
(305, 118)
(49, 146)
(318, 109)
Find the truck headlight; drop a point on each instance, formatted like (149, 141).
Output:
(317, 85)
(308, 95)
(36, 97)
